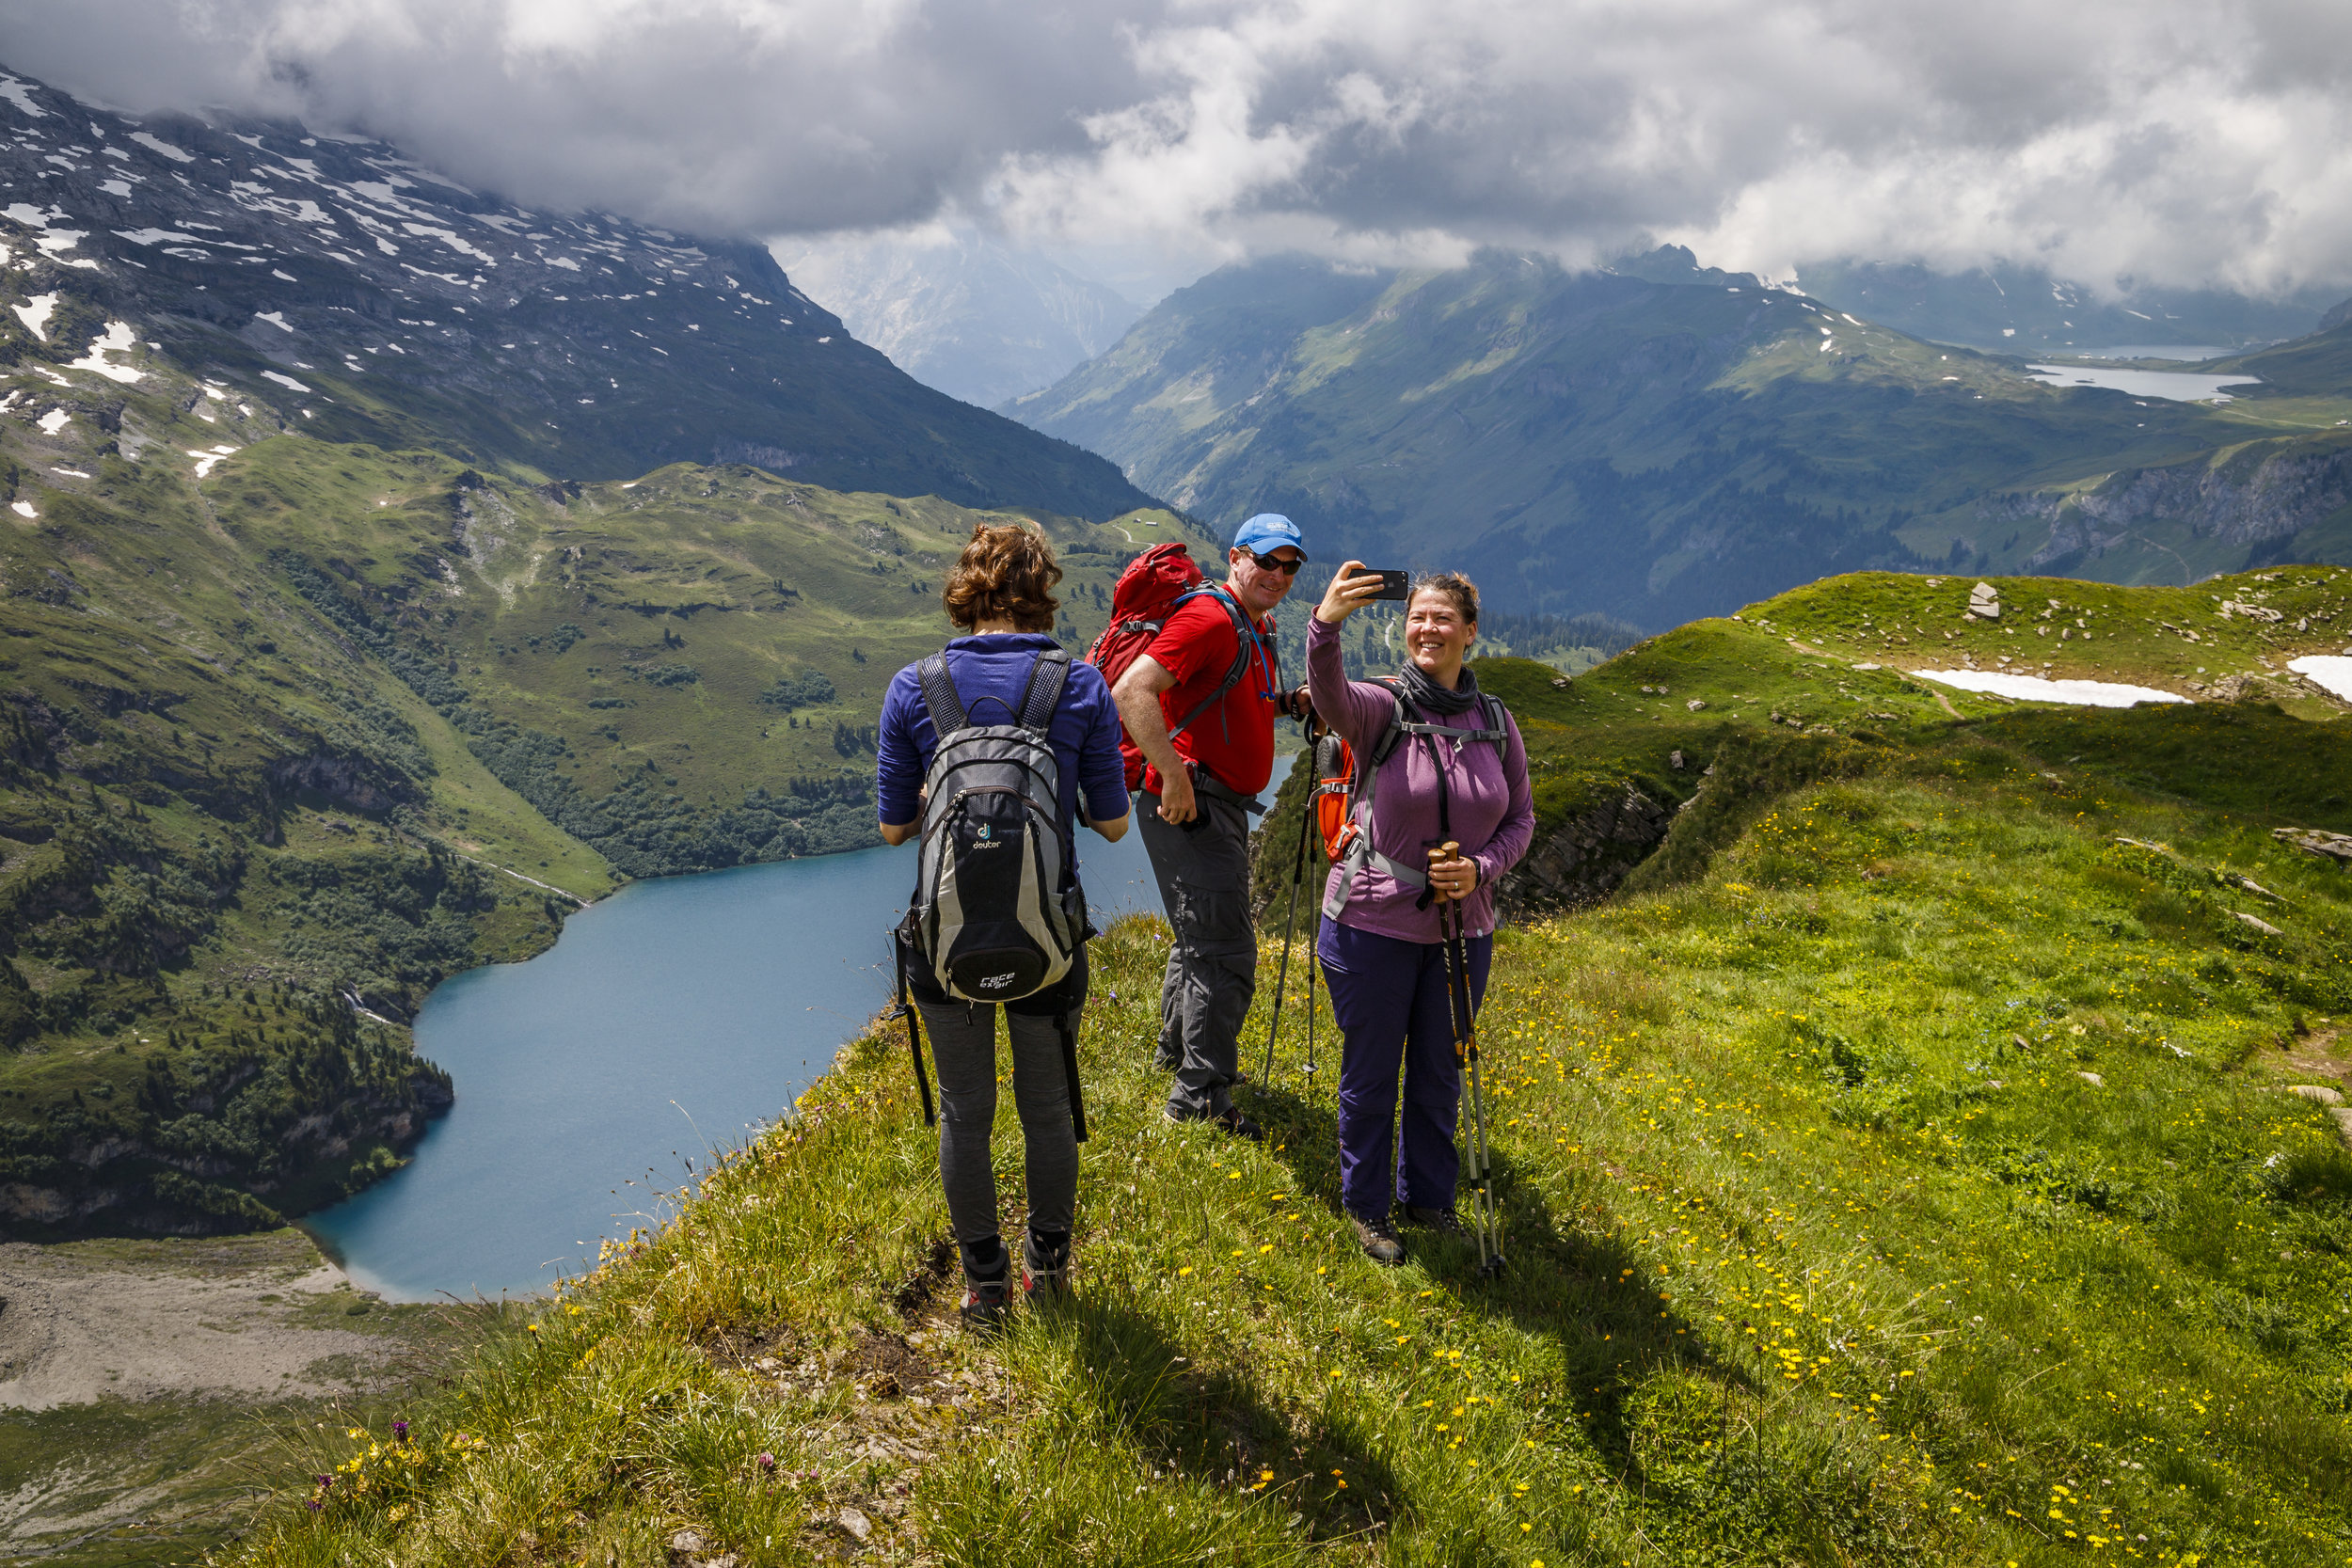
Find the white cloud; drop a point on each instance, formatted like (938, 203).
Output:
(2170, 140)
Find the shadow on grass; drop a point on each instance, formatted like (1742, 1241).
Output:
(1211, 1425)
(1592, 1295)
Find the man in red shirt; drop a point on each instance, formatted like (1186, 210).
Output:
(1200, 789)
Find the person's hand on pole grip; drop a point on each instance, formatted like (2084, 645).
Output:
(1351, 589)
(1176, 798)
(1452, 876)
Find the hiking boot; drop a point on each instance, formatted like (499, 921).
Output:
(1228, 1120)
(983, 1305)
(1378, 1239)
(1044, 1268)
(1446, 1222)
(1238, 1125)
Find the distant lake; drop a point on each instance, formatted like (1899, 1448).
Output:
(2175, 385)
(678, 1014)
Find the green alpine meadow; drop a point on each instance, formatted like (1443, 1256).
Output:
(1929, 1151)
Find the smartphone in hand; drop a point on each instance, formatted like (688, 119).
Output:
(1393, 585)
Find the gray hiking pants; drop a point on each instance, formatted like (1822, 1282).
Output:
(963, 1052)
(1213, 965)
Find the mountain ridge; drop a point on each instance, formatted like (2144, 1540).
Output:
(382, 303)
(1656, 449)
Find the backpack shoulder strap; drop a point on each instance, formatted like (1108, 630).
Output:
(1395, 730)
(1245, 637)
(1498, 721)
(1047, 677)
(939, 695)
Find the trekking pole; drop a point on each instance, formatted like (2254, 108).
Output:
(1483, 1227)
(1070, 1071)
(915, 1035)
(1314, 937)
(1290, 930)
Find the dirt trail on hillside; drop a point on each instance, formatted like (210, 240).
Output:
(241, 1318)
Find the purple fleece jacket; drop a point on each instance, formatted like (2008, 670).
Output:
(1493, 809)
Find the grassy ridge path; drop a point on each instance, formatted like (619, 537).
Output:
(1912, 1182)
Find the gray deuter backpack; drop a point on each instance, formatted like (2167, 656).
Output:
(998, 914)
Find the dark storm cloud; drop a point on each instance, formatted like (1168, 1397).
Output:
(2172, 141)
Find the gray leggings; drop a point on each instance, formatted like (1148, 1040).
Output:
(963, 1050)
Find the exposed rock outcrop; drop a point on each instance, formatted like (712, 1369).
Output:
(2251, 495)
(1586, 857)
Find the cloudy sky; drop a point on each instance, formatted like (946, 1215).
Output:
(2173, 141)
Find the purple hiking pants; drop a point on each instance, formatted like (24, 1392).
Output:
(1390, 997)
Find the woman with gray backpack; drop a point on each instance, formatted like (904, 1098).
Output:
(985, 750)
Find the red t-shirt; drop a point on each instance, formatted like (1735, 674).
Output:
(1232, 740)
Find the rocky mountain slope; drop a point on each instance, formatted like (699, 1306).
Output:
(1670, 444)
(377, 301)
(2025, 310)
(964, 313)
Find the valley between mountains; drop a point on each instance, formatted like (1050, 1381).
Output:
(1919, 1111)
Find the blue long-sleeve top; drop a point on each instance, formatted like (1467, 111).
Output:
(992, 674)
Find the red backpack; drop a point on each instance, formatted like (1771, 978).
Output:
(1150, 591)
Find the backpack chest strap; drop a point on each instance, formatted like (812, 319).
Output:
(1447, 732)
(1360, 852)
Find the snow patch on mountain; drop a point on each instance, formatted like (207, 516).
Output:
(156, 143)
(117, 338)
(34, 313)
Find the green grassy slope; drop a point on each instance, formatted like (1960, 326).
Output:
(1659, 448)
(1836, 659)
(1901, 1174)
(286, 741)
(683, 670)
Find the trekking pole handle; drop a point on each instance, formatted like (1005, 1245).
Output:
(1445, 852)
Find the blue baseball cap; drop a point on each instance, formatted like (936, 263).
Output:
(1270, 531)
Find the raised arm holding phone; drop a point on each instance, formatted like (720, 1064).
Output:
(1441, 809)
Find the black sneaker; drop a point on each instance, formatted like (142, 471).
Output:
(1443, 1221)
(1044, 1268)
(1378, 1239)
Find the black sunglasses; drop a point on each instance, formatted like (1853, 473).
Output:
(1275, 564)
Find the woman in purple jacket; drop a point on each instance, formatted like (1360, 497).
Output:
(1380, 947)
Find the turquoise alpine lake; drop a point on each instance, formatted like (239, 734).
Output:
(678, 1016)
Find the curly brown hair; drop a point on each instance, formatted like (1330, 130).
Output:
(1454, 586)
(1007, 573)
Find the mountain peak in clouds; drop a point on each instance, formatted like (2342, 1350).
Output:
(376, 300)
(2021, 309)
(963, 312)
